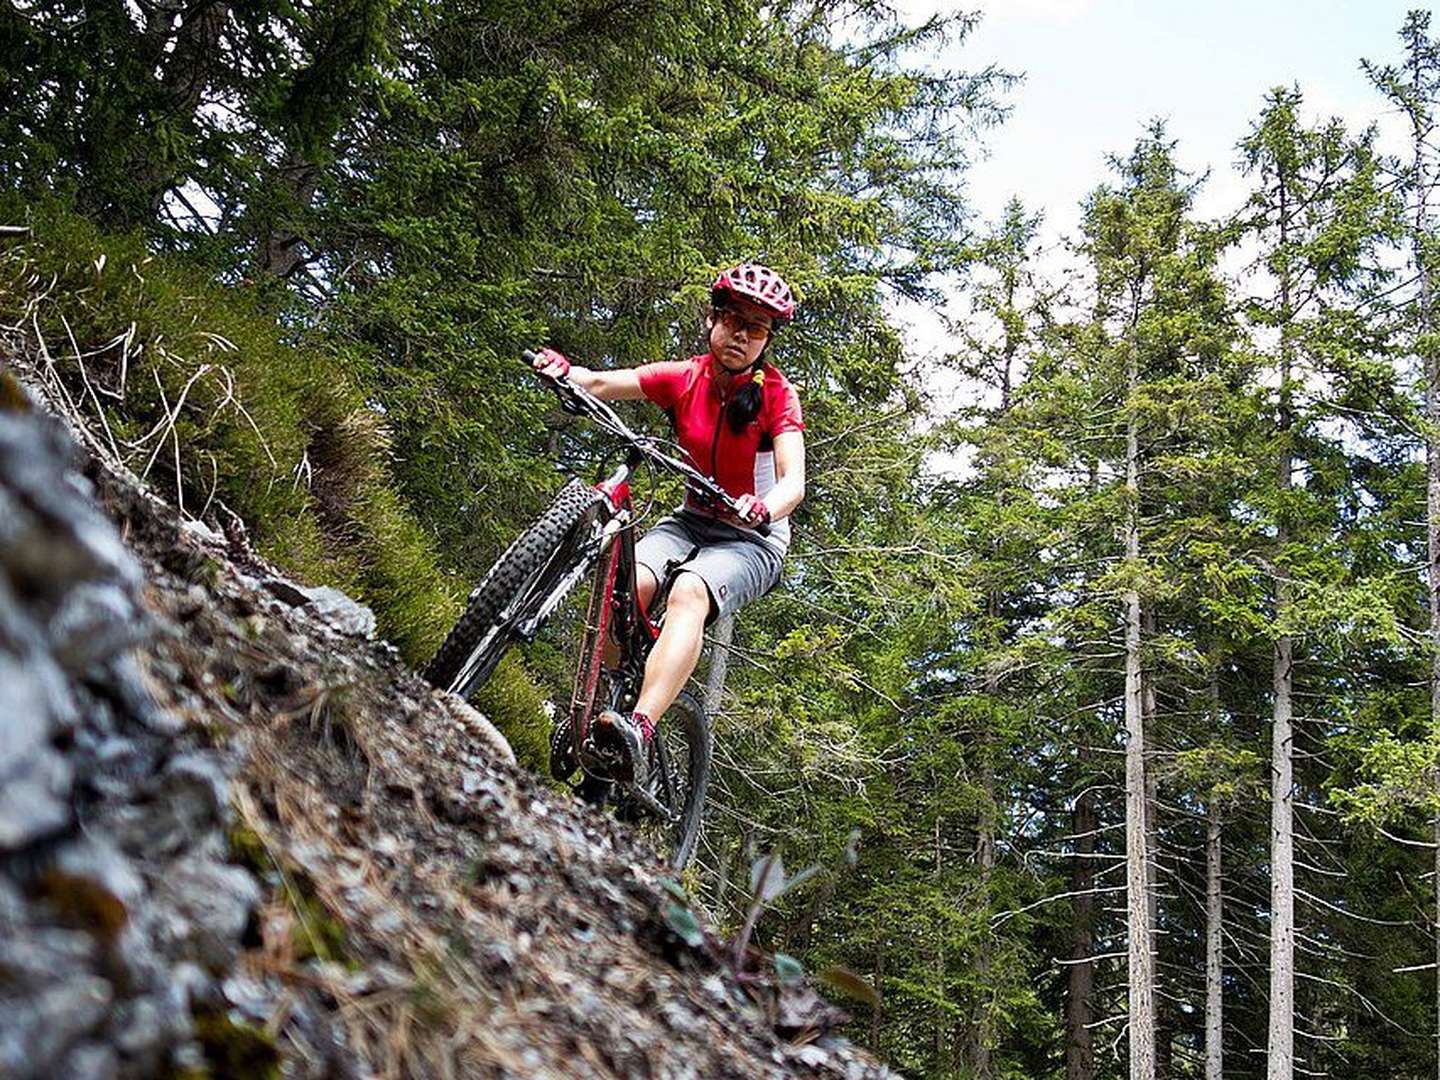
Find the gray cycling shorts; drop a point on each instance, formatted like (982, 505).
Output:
(735, 568)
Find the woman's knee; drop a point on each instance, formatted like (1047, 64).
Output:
(690, 594)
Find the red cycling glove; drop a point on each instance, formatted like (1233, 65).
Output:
(759, 514)
(554, 362)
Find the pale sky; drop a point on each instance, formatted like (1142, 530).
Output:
(1097, 70)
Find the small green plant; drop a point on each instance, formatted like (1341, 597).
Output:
(234, 1049)
(768, 883)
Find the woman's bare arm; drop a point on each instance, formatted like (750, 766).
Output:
(621, 385)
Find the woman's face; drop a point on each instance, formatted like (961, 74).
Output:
(738, 333)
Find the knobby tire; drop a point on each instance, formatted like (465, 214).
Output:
(684, 726)
(540, 550)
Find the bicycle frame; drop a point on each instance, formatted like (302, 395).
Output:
(615, 615)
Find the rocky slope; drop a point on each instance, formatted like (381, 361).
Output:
(238, 838)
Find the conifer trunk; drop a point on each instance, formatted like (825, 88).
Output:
(1214, 949)
(1430, 357)
(1137, 877)
(721, 634)
(1079, 1041)
(1280, 1044)
(981, 1025)
(938, 1032)
(1152, 854)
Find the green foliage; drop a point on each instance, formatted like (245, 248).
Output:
(235, 1049)
(204, 394)
(514, 705)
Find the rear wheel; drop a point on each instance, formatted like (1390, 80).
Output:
(531, 568)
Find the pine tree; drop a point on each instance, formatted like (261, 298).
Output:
(1317, 213)
(1414, 86)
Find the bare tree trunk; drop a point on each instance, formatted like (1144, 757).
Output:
(281, 248)
(721, 634)
(938, 1034)
(1280, 1043)
(1137, 877)
(982, 1024)
(805, 935)
(1152, 857)
(1214, 950)
(1079, 1043)
(1420, 119)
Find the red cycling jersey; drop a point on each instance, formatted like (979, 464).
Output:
(743, 463)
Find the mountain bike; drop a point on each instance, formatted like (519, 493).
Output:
(590, 530)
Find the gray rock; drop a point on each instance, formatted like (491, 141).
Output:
(286, 591)
(25, 718)
(127, 683)
(253, 998)
(93, 623)
(90, 1061)
(181, 809)
(13, 912)
(201, 781)
(118, 765)
(47, 550)
(196, 528)
(134, 952)
(40, 956)
(210, 905)
(38, 1030)
(97, 860)
(341, 612)
(34, 799)
(137, 1027)
(194, 987)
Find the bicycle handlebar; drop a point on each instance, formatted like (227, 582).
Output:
(587, 403)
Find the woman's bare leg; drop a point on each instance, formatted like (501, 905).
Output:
(677, 650)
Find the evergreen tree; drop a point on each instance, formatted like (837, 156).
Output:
(1318, 215)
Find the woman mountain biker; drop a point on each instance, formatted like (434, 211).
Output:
(739, 420)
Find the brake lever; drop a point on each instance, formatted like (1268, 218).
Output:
(721, 499)
(569, 402)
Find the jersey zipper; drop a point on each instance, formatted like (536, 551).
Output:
(715, 443)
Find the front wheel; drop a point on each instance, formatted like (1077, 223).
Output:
(531, 568)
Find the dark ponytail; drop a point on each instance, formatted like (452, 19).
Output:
(744, 407)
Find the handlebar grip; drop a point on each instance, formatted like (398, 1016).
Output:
(530, 356)
(763, 528)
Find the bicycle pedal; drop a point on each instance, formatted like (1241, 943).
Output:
(599, 760)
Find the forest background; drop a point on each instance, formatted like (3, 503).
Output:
(1136, 714)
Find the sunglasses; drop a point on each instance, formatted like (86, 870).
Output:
(735, 323)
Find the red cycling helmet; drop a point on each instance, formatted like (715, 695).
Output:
(758, 284)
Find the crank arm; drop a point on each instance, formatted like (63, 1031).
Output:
(645, 799)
